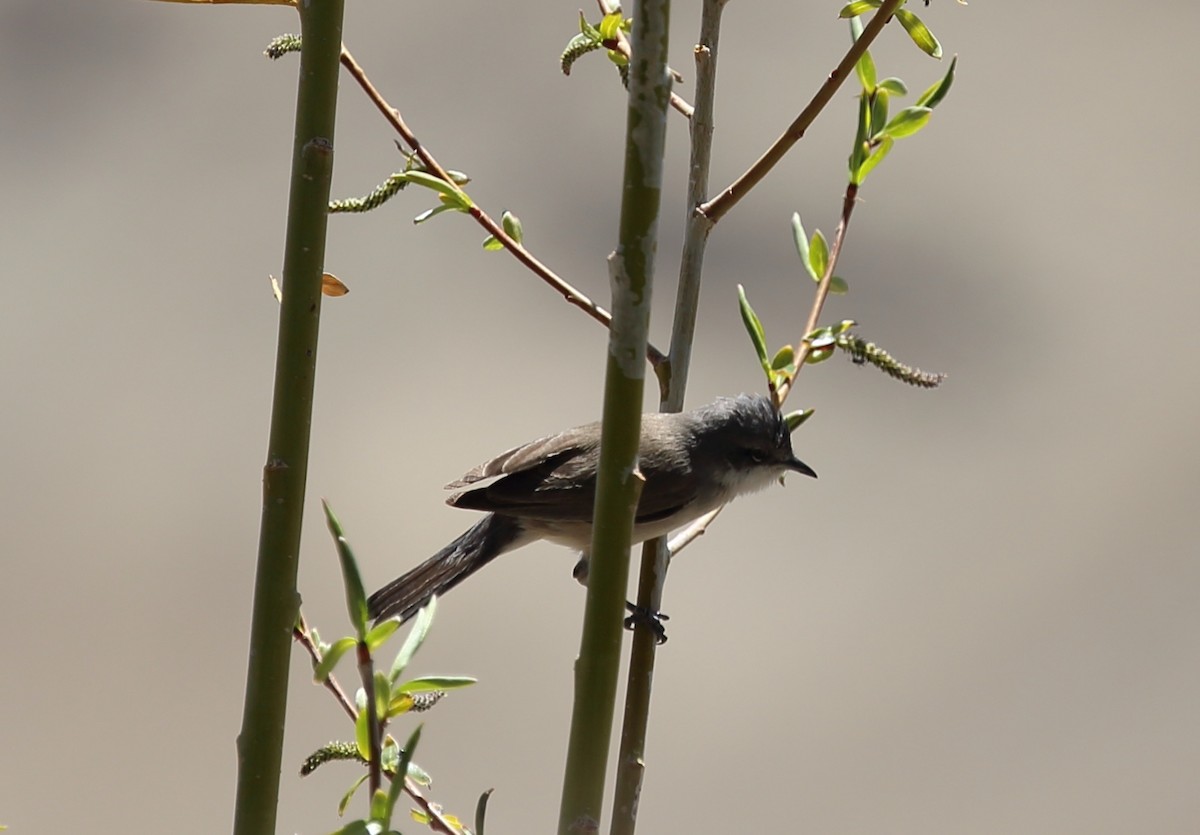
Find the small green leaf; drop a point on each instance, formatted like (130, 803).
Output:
(819, 355)
(512, 226)
(453, 194)
(858, 7)
(610, 25)
(754, 328)
(349, 795)
(821, 338)
(397, 785)
(427, 683)
(416, 636)
(934, 95)
(331, 657)
(865, 67)
(873, 159)
(861, 146)
(919, 32)
(795, 419)
(356, 596)
(879, 110)
(842, 327)
(380, 633)
(784, 359)
(379, 806)
(838, 286)
(481, 811)
(894, 86)
(907, 122)
(436, 210)
(818, 255)
(801, 239)
(492, 243)
(586, 28)
(361, 732)
(383, 692)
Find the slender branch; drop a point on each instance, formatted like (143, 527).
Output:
(301, 635)
(692, 532)
(689, 534)
(654, 562)
(804, 348)
(618, 483)
(276, 601)
(716, 208)
(366, 672)
(437, 820)
(569, 293)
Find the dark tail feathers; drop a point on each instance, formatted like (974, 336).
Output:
(490, 537)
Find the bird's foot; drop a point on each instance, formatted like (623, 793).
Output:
(647, 618)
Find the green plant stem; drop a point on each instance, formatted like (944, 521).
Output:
(653, 571)
(618, 482)
(716, 208)
(276, 602)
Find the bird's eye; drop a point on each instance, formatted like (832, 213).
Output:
(758, 456)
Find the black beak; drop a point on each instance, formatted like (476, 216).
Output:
(800, 467)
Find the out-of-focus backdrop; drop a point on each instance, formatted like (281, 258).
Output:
(984, 617)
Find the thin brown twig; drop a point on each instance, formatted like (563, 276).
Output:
(726, 199)
(689, 534)
(567, 291)
(804, 348)
(438, 822)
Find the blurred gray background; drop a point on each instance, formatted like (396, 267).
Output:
(983, 618)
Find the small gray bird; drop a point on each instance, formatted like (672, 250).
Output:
(693, 462)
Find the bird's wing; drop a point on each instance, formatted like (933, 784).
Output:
(554, 478)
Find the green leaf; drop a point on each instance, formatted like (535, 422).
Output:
(907, 122)
(425, 684)
(383, 693)
(356, 596)
(512, 226)
(349, 795)
(934, 95)
(481, 811)
(859, 7)
(360, 827)
(492, 243)
(843, 326)
(451, 192)
(380, 633)
(795, 419)
(397, 786)
(379, 807)
(784, 359)
(331, 657)
(838, 285)
(894, 86)
(754, 328)
(586, 28)
(361, 737)
(416, 636)
(436, 210)
(819, 356)
(865, 67)
(818, 255)
(610, 25)
(879, 111)
(801, 239)
(861, 146)
(919, 32)
(873, 159)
